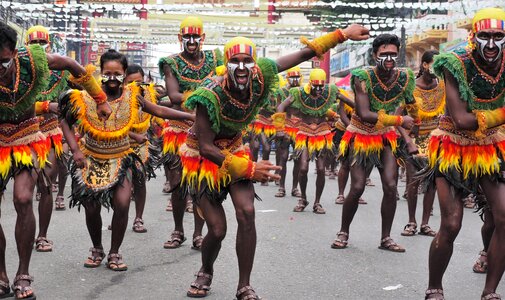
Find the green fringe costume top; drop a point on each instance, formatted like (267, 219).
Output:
(479, 90)
(31, 78)
(188, 75)
(282, 94)
(314, 106)
(388, 98)
(57, 85)
(230, 115)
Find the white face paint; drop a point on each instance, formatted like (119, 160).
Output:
(106, 78)
(232, 67)
(491, 42)
(381, 61)
(7, 64)
(191, 39)
(317, 89)
(294, 81)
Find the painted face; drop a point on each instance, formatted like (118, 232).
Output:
(240, 69)
(386, 57)
(191, 42)
(317, 89)
(490, 44)
(294, 81)
(112, 75)
(6, 61)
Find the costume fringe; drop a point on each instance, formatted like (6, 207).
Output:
(22, 156)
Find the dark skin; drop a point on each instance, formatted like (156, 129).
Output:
(343, 172)
(451, 205)
(192, 53)
(389, 170)
(25, 180)
(262, 139)
(242, 193)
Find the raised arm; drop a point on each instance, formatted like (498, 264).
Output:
(285, 104)
(322, 44)
(164, 112)
(346, 100)
(343, 115)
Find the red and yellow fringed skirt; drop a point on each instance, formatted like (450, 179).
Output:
(316, 138)
(21, 146)
(462, 157)
(291, 127)
(263, 125)
(50, 127)
(363, 142)
(200, 175)
(174, 135)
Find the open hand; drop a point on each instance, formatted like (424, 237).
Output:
(357, 32)
(408, 122)
(103, 110)
(262, 172)
(79, 159)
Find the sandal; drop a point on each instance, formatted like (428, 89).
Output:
(59, 203)
(38, 196)
(42, 244)
(169, 205)
(115, 262)
(296, 193)
(332, 176)
(340, 199)
(189, 207)
(281, 193)
(491, 296)
(166, 188)
(362, 201)
(388, 244)
(138, 226)
(247, 293)
(318, 209)
(480, 265)
(200, 290)
(339, 243)
(54, 188)
(302, 203)
(410, 229)
(469, 201)
(176, 240)
(5, 290)
(426, 230)
(95, 260)
(18, 289)
(439, 294)
(369, 182)
(197, 243)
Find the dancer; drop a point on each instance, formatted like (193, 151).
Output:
(466, 152)
(46, 109)
(183, 72)
(371, 139)
(286, 138)
(104, 165)
(214, 160)
(24, 74)
(314, 139)
(429, 95)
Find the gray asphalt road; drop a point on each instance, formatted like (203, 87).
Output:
(293, 257)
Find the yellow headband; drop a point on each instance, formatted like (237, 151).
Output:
(191, 25)
(316, 77)
(239, 45)
(489, 18)
(35, 33)
(282, 81)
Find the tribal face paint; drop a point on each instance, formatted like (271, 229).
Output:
(490, 45)
(241, 73)
(190, 40)
(387, 58)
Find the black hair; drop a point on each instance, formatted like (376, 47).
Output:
(133, 69)
(112, 55)
(8, 37)
(426, 58)
(385, 39)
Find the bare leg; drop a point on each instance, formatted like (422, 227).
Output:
(389, 178)
(451, 210)
(412, 187)
(121, 201)
(3, 269)
(320, 179)
(139, 191)
(303, 172)
(265, 154)
(94, 223)
(296, 172)
(343, 176)
(429, 198)
(62, 173)
(254, 144)
(282, 154)
(358, 177)
(46, 199)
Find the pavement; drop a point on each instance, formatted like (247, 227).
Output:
(293, 256)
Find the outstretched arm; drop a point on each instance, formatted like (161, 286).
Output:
(322, 44)
(172, 86)
(285, 104)
(164, 112)
(69, 134)
(346, 100)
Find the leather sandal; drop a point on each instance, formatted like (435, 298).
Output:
(296, 193)
(388, 244)
(480, 265)
(491, 296)
(426, 230)
(437, 293)
(410, 229)
(318, 209)
(202, 289)
(59, 203)
(176, 240)
(18, 289)
(42, 244)
(281, 193)
(197, 243)
(5, 290)
(138, 226)
(96, 258)
(340, 199)
(339, 243)
(115, 262)
(302, 203)
(247, 293)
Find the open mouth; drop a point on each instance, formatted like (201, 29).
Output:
(241, 78)
(191, 47)
(490, 54)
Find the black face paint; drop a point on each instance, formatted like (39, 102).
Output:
(294, 81)
(318, 89)
(381, 61)
(107, 78)
(191, 40)
(490, 42)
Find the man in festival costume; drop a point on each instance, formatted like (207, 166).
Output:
(467, 151)
(215, 162)
(314, 138)
(286, 137)
(183, 73)
(24, 73)
(371, 139)
(104, 165)
(46, 108)
(429, 95)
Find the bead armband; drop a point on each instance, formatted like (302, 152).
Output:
(89, 83)
(236, 166)
(41, 107)
(488, 119)
(385, 120)
(322, 44)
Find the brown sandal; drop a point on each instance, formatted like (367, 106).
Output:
(296, 193)
(339, 243)
(480, 265)
(169, 205)
(5, 290)
(96, 258)
(197, 243)
(166, 188)
(318, 209)
(115, 262)
(491, 296)
(362, 201)
(281, 193)
(410, 229)
(302, 203)
(202, 290)
(340, 199)
(426, 230)
(59, 203)
(438, 293)
(18, 289)
(247, 293)
(189, 207)
(138, 226)
(388, 244)
(176, 240)
(42, 244)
